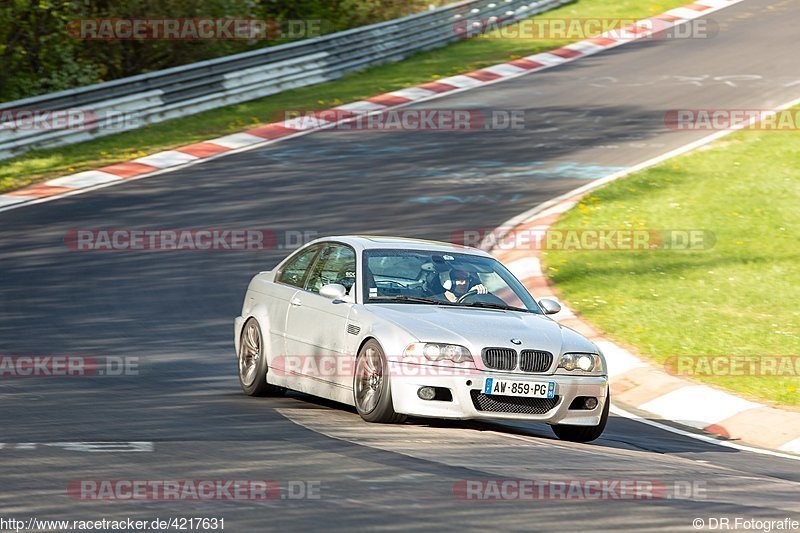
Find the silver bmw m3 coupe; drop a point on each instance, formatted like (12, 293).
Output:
(399, 327)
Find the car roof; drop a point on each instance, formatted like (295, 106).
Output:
(373, 242)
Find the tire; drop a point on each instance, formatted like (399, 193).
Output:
(372, 391)
(584, 433)
(252, 363)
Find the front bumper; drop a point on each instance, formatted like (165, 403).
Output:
(411, 377)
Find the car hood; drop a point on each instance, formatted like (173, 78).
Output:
(480, 328)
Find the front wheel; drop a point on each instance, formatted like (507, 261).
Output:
(584, 433)
(371, 386)
(253, 363)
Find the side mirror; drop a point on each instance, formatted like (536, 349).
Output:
(334, 291)
(550, 307)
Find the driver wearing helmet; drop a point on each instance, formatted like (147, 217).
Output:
(461, 283)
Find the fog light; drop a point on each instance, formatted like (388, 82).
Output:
(427, 393)
(590, 403)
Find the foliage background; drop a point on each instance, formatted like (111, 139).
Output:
(38, 55)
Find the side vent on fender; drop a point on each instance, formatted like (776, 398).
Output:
(352, 329)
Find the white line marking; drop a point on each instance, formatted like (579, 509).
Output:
(546, 59)
(83, 179)
(793, 446)
(167, 158)
(504, 69)
(585, 47)
(619, 359)
(413, 93)
(92, 447)
(237, 140)
(11, 200)
(362, 106)
(705, 438)
(461, 81)
(698, 406)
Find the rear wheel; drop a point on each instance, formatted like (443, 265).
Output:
(253, 363)
(584, 433)
(372, 388)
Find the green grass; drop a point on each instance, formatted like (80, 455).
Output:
(423, 67)
(740, 297)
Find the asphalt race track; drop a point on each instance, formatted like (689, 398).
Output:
(175, 310)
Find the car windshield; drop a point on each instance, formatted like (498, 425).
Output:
(442, 278)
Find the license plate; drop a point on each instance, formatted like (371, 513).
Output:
(529, 389)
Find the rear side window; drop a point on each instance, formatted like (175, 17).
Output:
(294, 273)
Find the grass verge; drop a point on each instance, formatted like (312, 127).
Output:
(423, 67)
(740, 297)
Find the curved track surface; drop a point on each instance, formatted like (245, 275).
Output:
(175, 310)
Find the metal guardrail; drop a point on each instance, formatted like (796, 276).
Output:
(130, 103)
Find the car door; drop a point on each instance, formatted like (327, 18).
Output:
(316, 325)
(289, 280)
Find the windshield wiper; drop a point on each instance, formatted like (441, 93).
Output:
(495, 306)
(410, 299)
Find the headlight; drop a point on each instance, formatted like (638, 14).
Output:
(586, 362)
(434, 351)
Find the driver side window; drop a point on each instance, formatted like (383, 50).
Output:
(336, 264)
